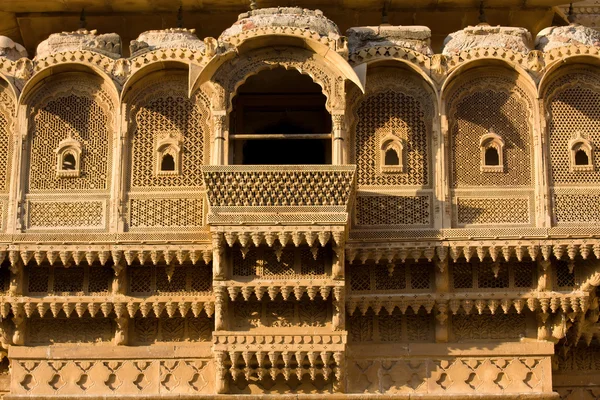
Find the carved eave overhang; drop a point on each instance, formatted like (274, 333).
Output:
(494, 250)
(74, 254)
(122, 306)
(574, 303)
(302, 340)
(288, 287)
(278, 196)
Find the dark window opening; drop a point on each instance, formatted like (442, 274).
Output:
(167, 163)
(391, 157)
(491, 156)
(279, 117)
(581, 158)
(69, 163)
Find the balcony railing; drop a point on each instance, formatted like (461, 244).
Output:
(285, 194)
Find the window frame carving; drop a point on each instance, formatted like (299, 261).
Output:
(169, 145)
(68, 146)
(581, 143)
(492, 140)
(394, 143)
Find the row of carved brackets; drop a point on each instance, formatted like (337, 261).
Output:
(271, 236)
(75, 254)
(495, 250)
(311, 288)
(122, 307)
(546, 302)
(322, 362)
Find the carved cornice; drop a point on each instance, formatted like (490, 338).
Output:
(290, 286)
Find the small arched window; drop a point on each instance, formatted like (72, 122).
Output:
(491, 157)
(391, 159)
(168, 154)
(69, 162)
(167, 163)
(582, 153)
(68, 158)
(492, 152)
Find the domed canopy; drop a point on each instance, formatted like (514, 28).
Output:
(483, 35)
(417, 38)
(166, 39)
(294, 17)
(559, 36)
(108, 44)
(10, 49)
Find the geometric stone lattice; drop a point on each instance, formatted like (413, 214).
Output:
(502, 110)
(573, 109)
(493, 211)
(5, 149)
(83, 119)
(62, 214)
(576, 208)
(393, 210)
(402, 116)
(168, 111)
(156, 213)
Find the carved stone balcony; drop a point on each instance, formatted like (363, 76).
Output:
(276, 194)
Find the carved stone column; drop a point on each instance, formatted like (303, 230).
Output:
(219, 140)
(219, 267)
(221, 384)
(339, 258)
(338, 320)
(339, 385)
(122, 329)
(14, 221)
(339, 134)
(221, 308)
(16, 273)
(19, 320)
(442, 285)
(544, 275)
(119, 286)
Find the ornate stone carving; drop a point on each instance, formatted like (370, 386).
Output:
(108, 44)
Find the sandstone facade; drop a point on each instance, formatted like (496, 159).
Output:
(286, 211)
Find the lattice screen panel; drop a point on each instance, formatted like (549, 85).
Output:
(395, 327)
(573, 107)
(293, 261)
(150, 279)
(500, 326)
(393, 210)
(492, 211)
(408, 276)
(394, 113)
(487, 275)
(6, 117)
(165, 213)
(472, 115)
(167, 110)
(81, 118)
(58, 214)
(576, 208)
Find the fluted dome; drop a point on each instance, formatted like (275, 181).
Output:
(483, 35)
(559, 36)
(417, 38)
(294, 17)
(108, 44)
(10, 49)
(166, 39)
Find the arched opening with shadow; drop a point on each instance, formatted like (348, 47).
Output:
(279, 117)
(491, 157)
(167, 163)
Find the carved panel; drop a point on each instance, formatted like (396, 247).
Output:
(160, 111)
(395, 327)
(151, 279)
(490, 103)
(69, 330)
(148, 330)
(110, 377)
(465, 375)
(280, 313)
(7, 111)
(492, 211)
(409, 276)
(66, 214)
(166, 213)
(572, 105)
(488, 327)
(393, 210)
(395, 110)
(576, 208)
(81, 110)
